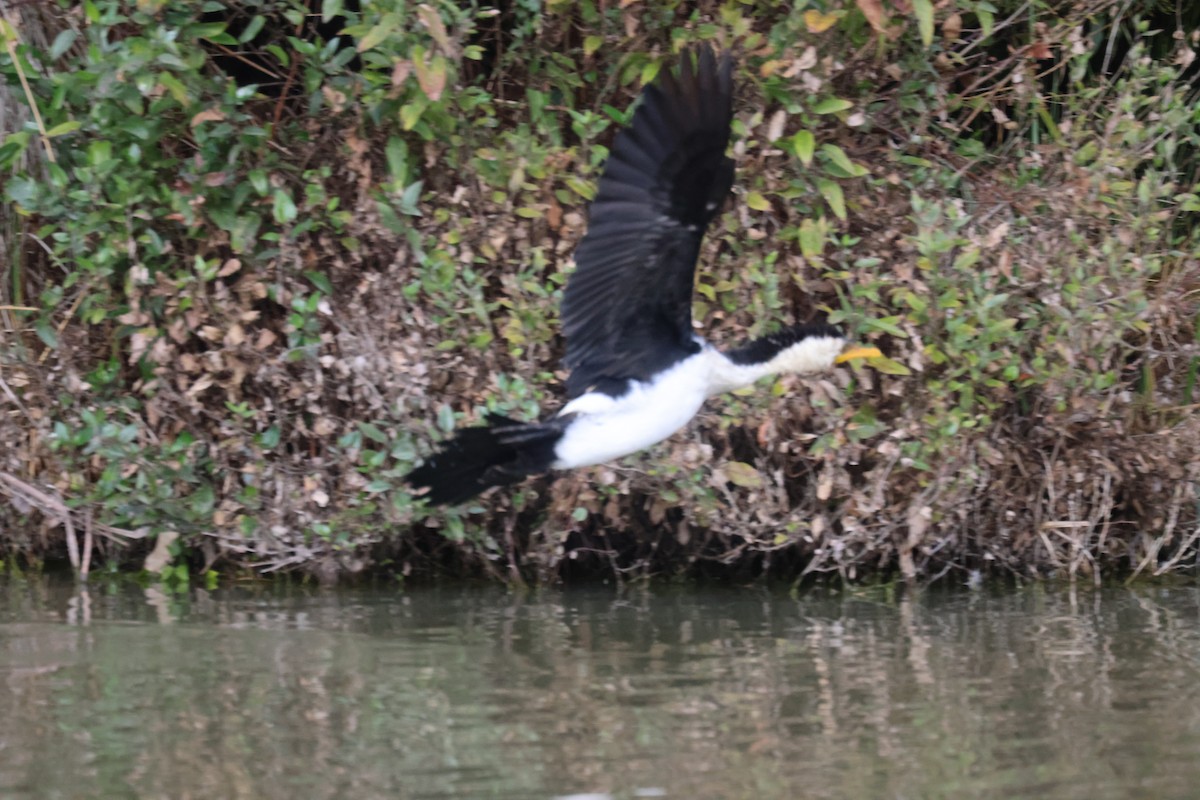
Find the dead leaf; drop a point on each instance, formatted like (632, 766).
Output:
(765, 433)
(818, 527)
(770, 67)
(207, 115)
(160, 556)
(437, 29)
(918, 519)
(775, 127)
(336, 99)
(432, 75)
(873, 11)
(996, 235)
(1039, 50)
(400, 73)
(816, 22)
(265, 339)
(825, 487)
(952, 28)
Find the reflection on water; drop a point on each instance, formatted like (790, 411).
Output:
(687, 694)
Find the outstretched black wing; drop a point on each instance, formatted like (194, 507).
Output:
(627, 309)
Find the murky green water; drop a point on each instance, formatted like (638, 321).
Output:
(684, 694)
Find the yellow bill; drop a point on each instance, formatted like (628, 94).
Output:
(854, 352)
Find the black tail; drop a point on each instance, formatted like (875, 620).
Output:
(502, 452)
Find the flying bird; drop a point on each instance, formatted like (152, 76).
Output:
(638, 372)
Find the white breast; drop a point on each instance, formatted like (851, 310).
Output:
(608, 428)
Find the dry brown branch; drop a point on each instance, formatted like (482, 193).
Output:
(23, 492)
(11, 38)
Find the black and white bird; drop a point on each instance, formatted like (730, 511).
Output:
(638, 371)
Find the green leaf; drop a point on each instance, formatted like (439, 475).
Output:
(280, 54)
(924, 11)
(330, 9)
(887, 366)
(62, 43)
(742, 474)
(15, 145)
(585, 189)
(373, 432)
(832, 105)
(650, 72)
(410, 113)
(410, 198)
(258, 179)
(283, 208)
(832, 192)
(376, 36)
(21, 190)
(252, 28)
(64, 127)
(887, 325)
(270, 437)
(396, 153)
(812, 238)
(45, 331)
(319, 280)
(591, 44)
(175, 87)
(99, 152)
(805, 144)
(838, 158)
(208, 30)
(987, 21)
(756, 201)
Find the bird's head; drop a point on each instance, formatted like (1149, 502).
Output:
(801, 350)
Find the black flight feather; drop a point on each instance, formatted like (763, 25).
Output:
(496, 454)
(627, 309)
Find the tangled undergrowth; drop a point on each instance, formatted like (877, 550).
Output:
(260, 256)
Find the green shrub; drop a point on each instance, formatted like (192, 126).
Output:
(256, 306)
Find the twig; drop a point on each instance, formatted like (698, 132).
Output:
(62, 325)
(85, 563)
(72, 542)
(10, 42)
(16, 401)
(54, 507)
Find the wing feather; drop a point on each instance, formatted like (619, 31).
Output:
(626, 311)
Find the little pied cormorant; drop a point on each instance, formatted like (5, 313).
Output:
(638, 371)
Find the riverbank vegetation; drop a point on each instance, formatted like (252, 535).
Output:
(259, 257)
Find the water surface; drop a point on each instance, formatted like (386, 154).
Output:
(479, 693)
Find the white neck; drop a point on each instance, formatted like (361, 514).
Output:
(812, 354)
